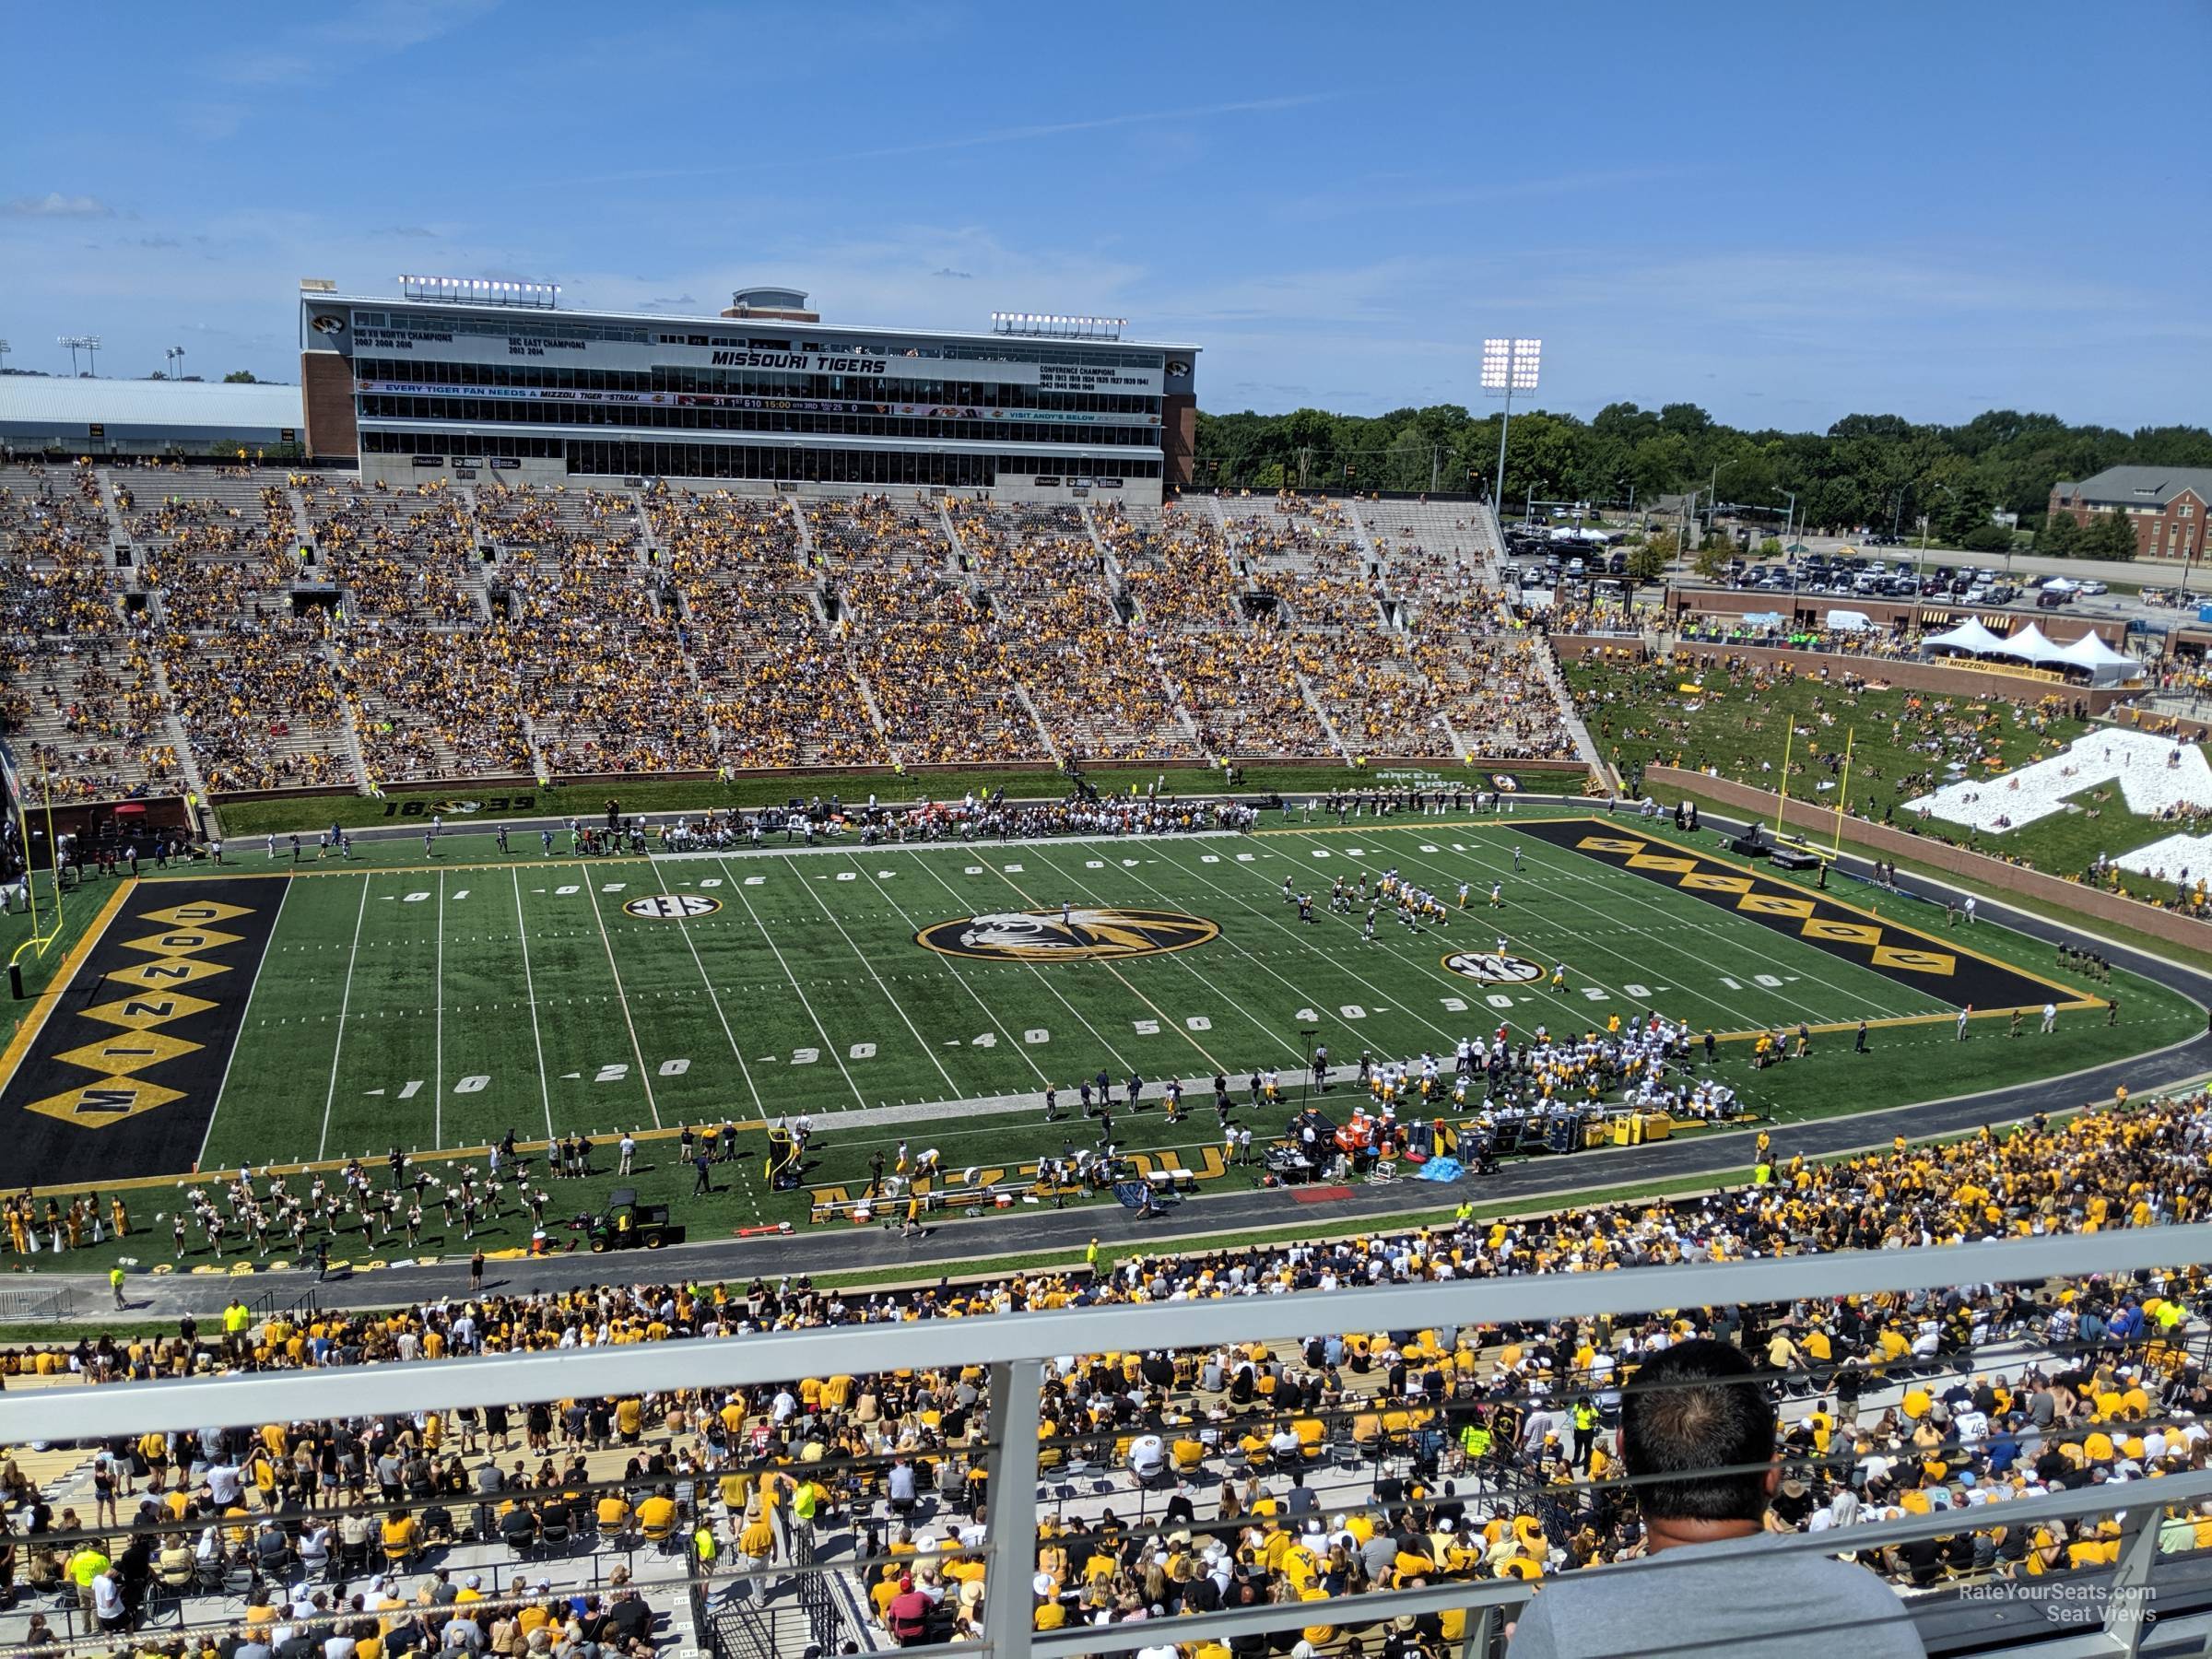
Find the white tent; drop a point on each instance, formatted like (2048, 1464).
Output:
(2106, 665)
(1968, 635)
(2031, 644)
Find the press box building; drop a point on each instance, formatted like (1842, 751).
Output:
(455, 378)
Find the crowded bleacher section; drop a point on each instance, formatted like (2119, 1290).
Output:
(1179, 1482)
(170, 625)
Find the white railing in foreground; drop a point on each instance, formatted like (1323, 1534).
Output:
(1015, 1346)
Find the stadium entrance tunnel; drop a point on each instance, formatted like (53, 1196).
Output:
(1936, 966)
(119, 1078)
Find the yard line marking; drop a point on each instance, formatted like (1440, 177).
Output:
(959, 979)
(438, 1049)
(614, 972)
(1036, 972)
(1253, 1018)
(714, 997)
(1852, 1003)
(1437, 975)
(530, 991)
(1169, 1019)
(238, 1042)
(737, 887)
(345, 1001)
(898, 1007)
(1643, 904)
(1376, 992)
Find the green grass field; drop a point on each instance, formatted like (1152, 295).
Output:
(439, 1006)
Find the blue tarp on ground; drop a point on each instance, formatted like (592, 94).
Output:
(1442, 1169)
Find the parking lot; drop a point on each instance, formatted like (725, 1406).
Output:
(1830, 569)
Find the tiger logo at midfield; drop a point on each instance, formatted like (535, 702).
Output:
(1087, 934)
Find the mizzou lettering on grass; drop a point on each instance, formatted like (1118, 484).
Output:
(1207, 1165)
(1938, 966)
(121, 1079)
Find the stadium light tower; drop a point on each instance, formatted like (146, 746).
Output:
(1508, 366)
(88, 344)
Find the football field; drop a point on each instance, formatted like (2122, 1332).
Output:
(249, 1015)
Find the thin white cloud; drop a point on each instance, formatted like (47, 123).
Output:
(1021, 134)
(268, 68)
(211, 122)
(55, 204)
(328, 47)
(1356, 200)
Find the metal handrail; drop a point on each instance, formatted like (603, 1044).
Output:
(775, 1357)
(1013, 1347)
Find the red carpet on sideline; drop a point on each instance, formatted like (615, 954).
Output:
(1320, 1195)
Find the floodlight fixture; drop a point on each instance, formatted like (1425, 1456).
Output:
(481, 290)
(1058, 325)
(1508, 366)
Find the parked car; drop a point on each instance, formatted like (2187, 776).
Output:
(2091, 589)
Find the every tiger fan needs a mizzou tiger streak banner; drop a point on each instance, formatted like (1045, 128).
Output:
(1939, 966)
(122, 1078)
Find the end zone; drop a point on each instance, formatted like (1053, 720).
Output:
(1937, 967)
(118, 1073)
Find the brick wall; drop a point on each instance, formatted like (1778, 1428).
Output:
(1664, 782)
(2175, 531)
(326, 398)
(1178, 438)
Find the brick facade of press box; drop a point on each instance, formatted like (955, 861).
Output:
(326, 400)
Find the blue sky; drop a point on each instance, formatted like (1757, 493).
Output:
(1786, 213)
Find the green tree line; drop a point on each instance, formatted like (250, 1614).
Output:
(1866, 470)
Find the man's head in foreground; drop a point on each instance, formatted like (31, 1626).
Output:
(1698, 1435)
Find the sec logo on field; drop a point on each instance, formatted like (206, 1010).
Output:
(1492, 969)
(672, 907)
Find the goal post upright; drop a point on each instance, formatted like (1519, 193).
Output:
(1842, 794)
(11, 786)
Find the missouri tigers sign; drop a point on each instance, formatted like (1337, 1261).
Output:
(1082, 933)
